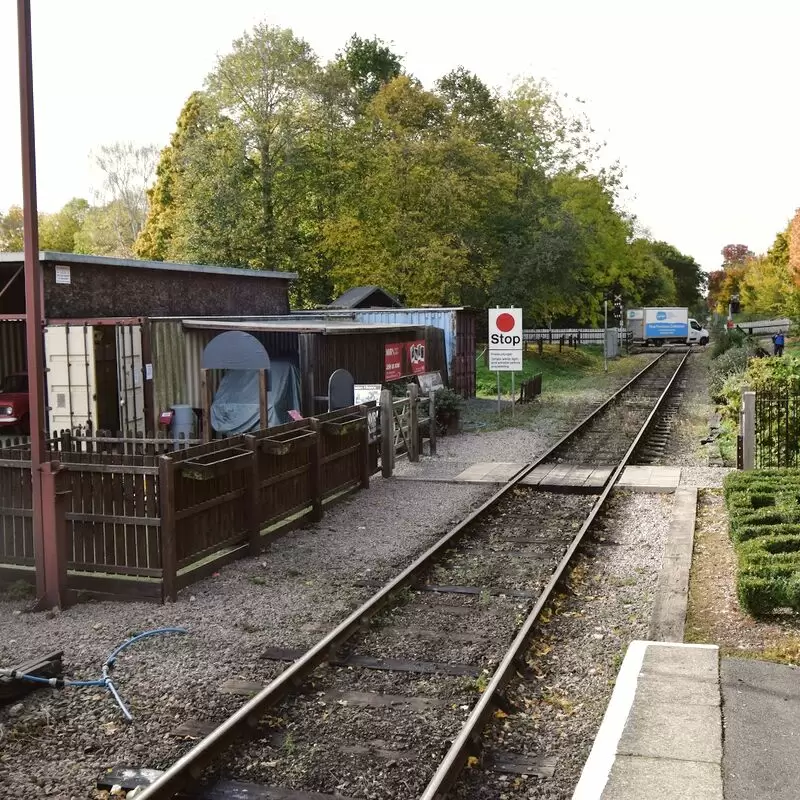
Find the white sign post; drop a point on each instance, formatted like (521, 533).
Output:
(505, 344)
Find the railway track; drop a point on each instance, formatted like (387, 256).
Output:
(392, 702)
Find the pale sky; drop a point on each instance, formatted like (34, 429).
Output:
(697, 99)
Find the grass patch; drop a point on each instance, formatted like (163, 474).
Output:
(559, 370)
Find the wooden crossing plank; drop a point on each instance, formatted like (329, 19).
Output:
(128, 778)
(239, 790)
(519, 764)
(383, 664)
(490, 472)
(193, 729)
(239, 687)
(47, 666)
(377, 700)
(478, 590)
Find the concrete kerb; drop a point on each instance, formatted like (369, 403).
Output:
(672, 590)
(661, 735)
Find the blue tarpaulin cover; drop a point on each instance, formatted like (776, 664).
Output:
(235, 406)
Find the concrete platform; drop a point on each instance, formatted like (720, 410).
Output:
(650, 479)
(575, 477)
(661, 736)
(762, 740)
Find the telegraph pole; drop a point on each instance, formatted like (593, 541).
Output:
(49, 549)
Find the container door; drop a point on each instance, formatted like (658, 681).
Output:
(71, 389)
(130, 376)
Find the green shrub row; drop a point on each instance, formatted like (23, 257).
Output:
(764, 517)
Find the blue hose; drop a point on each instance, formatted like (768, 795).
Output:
(105, 680)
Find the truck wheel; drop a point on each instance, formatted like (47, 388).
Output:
(704, 341)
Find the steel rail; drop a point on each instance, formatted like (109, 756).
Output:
(189, 767)
(470, 734)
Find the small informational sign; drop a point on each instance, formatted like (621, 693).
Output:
(505, 339)
(63, 275)
(430, 382)
(393, 362)
(635, 313)
(367, 393)
(416, 356)
(148, 372)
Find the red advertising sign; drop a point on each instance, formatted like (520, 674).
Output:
(393, 361)
(416, 356)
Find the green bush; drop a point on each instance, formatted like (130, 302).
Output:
(746, 532)
(733, 362)
(764, 517)
(758, 595)
(726, 339)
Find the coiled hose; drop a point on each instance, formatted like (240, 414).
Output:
(104, 680)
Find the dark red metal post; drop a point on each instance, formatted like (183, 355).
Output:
(49, 552)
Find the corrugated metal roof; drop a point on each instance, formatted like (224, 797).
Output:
(171, 266)
(289, 324)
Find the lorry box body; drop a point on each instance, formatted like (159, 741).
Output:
(666, 325)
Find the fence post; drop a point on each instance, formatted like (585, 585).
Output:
(253, 497)
(315, 472)
(432, 418)
(52, 562)
(387, 433)
(413, 422)
(169, 544)
(207, 399)
(749, 431)
(364, 482)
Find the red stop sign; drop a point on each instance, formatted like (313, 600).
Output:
(505, 322)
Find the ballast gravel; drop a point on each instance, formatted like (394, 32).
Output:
(576, 652)
(55, 743)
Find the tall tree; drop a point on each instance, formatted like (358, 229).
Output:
(474, 110)
(128, 170)
(368, 64)
(690, 280)
(11, 232)
(265, 87)
(733, 254)
(167, 198)
(58, 231)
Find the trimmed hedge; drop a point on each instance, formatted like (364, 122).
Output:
(764, 516)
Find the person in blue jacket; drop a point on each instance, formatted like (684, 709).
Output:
(778, 341)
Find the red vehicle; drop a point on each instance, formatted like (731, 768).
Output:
(14, 403)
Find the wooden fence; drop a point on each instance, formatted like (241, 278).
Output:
(143, 525)
(574, 337)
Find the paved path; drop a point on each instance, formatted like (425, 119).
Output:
(761, 714)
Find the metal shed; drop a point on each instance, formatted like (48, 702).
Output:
(457, 324)
(316, 347)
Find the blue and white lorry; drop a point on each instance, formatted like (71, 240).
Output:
(657, 326)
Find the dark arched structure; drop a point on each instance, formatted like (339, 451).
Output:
(235, 350)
